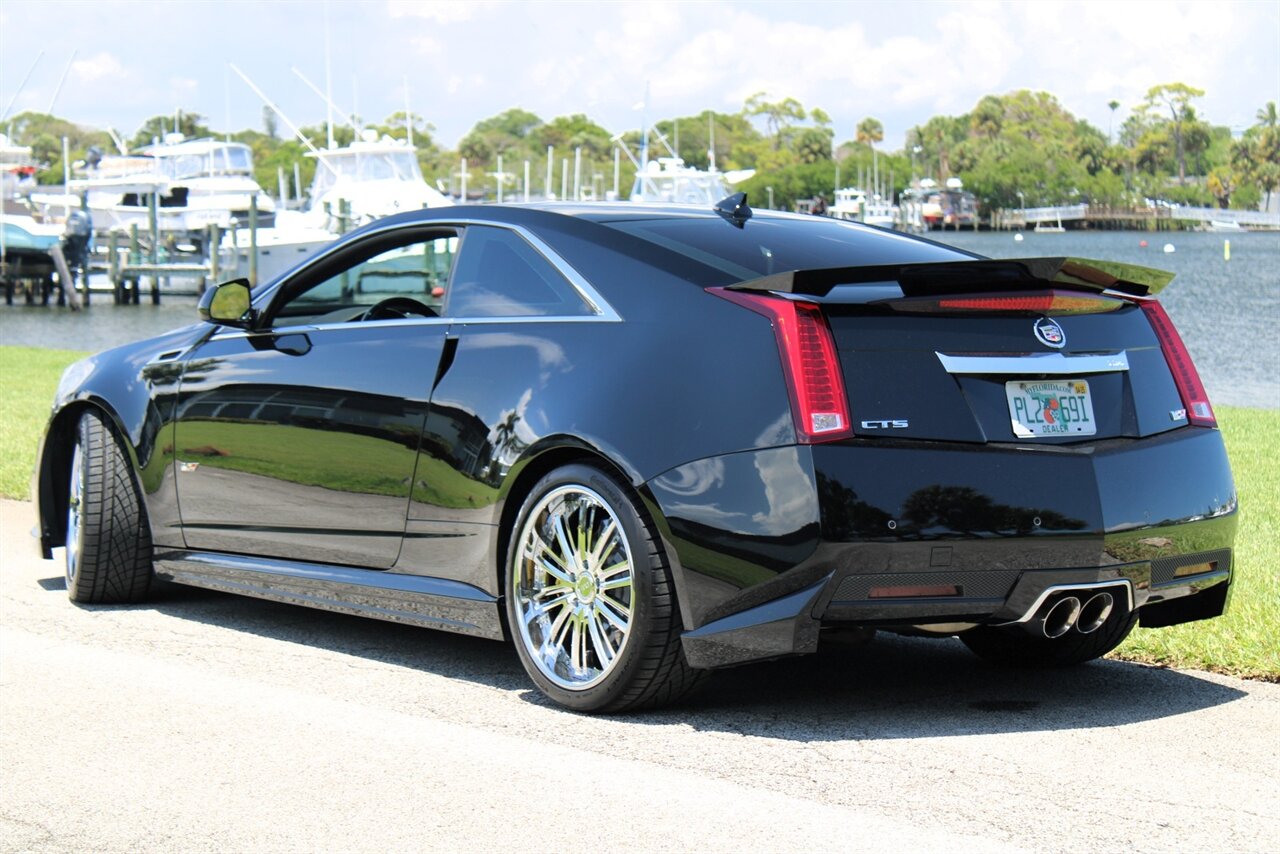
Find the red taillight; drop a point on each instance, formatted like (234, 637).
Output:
(1185, 375)
(809, 364)
(1046, 302)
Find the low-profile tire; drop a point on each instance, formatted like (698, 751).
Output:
(1014, 647)
(108, 544)
(590, 602)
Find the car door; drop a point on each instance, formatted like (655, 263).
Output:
(513, 305)
(298, 439)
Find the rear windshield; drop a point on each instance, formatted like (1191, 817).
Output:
(767, 246)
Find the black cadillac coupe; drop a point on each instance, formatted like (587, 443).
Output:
(643, 442)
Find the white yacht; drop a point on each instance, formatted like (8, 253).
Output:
(668, 179)
(370, 178)
(375, 177)
(201, 182)
(854, 203)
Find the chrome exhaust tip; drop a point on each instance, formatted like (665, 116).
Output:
(1059, 619)
(1094, 612)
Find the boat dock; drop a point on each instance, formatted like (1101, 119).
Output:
(1155, 218)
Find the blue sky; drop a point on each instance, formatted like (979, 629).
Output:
(898, 61)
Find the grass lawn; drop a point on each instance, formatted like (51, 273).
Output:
(28, 379)
(1246, 642)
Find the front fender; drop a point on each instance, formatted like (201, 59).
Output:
(135, 388)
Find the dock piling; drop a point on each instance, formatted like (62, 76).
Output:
(253, 241)
(214, 244)
(153, 232)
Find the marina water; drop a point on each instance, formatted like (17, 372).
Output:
(1227, 311)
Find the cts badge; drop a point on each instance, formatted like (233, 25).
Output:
(893, 424)
(1049, 333)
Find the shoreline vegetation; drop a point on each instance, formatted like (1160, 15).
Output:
(1242, 643)
(1017, 150)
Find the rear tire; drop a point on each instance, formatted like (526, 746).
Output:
(108, 541)
(1010, 647)
(590, 601)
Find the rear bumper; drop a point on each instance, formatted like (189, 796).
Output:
(791, 625)
(777, 543)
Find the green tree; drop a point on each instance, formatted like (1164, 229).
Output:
(937, 139)
(870, 131)
(44, 133)
(778, 115)
(190, 125)
(696, 132)
(813, 144)
(1176, 98)
(1256, 155)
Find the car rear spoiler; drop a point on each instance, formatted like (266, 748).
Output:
(978, 276)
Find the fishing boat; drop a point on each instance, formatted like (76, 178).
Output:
(17, 167)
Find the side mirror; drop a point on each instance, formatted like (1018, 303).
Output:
(228, 304)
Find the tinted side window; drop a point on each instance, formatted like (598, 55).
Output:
(410, 267)
(498, 274)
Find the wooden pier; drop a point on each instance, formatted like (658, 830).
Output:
(1156, 218)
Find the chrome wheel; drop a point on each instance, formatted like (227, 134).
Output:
(572, 583)
(75, 499)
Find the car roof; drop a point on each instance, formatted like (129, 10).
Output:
(622, 211)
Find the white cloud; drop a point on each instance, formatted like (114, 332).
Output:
(101, 66)
(900, 62)
(183, 88)
(437, 11)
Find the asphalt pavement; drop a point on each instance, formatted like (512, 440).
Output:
(202, 721)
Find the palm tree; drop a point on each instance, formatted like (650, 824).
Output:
(1114, 105)
(870, 131)
(1267, 115)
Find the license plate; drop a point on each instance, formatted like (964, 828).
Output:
(1050, 408)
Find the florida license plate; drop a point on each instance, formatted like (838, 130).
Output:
(1050, 408)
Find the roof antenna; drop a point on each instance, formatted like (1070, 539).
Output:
(734, 209)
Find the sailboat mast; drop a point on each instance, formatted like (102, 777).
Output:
(328, 78)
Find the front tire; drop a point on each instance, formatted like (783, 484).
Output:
(590, 601)
(108, 544)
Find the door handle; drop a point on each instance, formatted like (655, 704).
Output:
(295, 344)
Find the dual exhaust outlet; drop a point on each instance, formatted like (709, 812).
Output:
(1084, 612)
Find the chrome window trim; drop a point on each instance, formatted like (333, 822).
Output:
(228, 332)
(597, 303)
(1035, 364)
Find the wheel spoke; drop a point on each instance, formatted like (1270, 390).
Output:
(562, 537)
(610, 571)
(544, 556)
(578, 655)
(602, 607)
(606, 540)
(555, 635)
(545, 606)
(552, 589)
(600, 642)
(616, 582)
